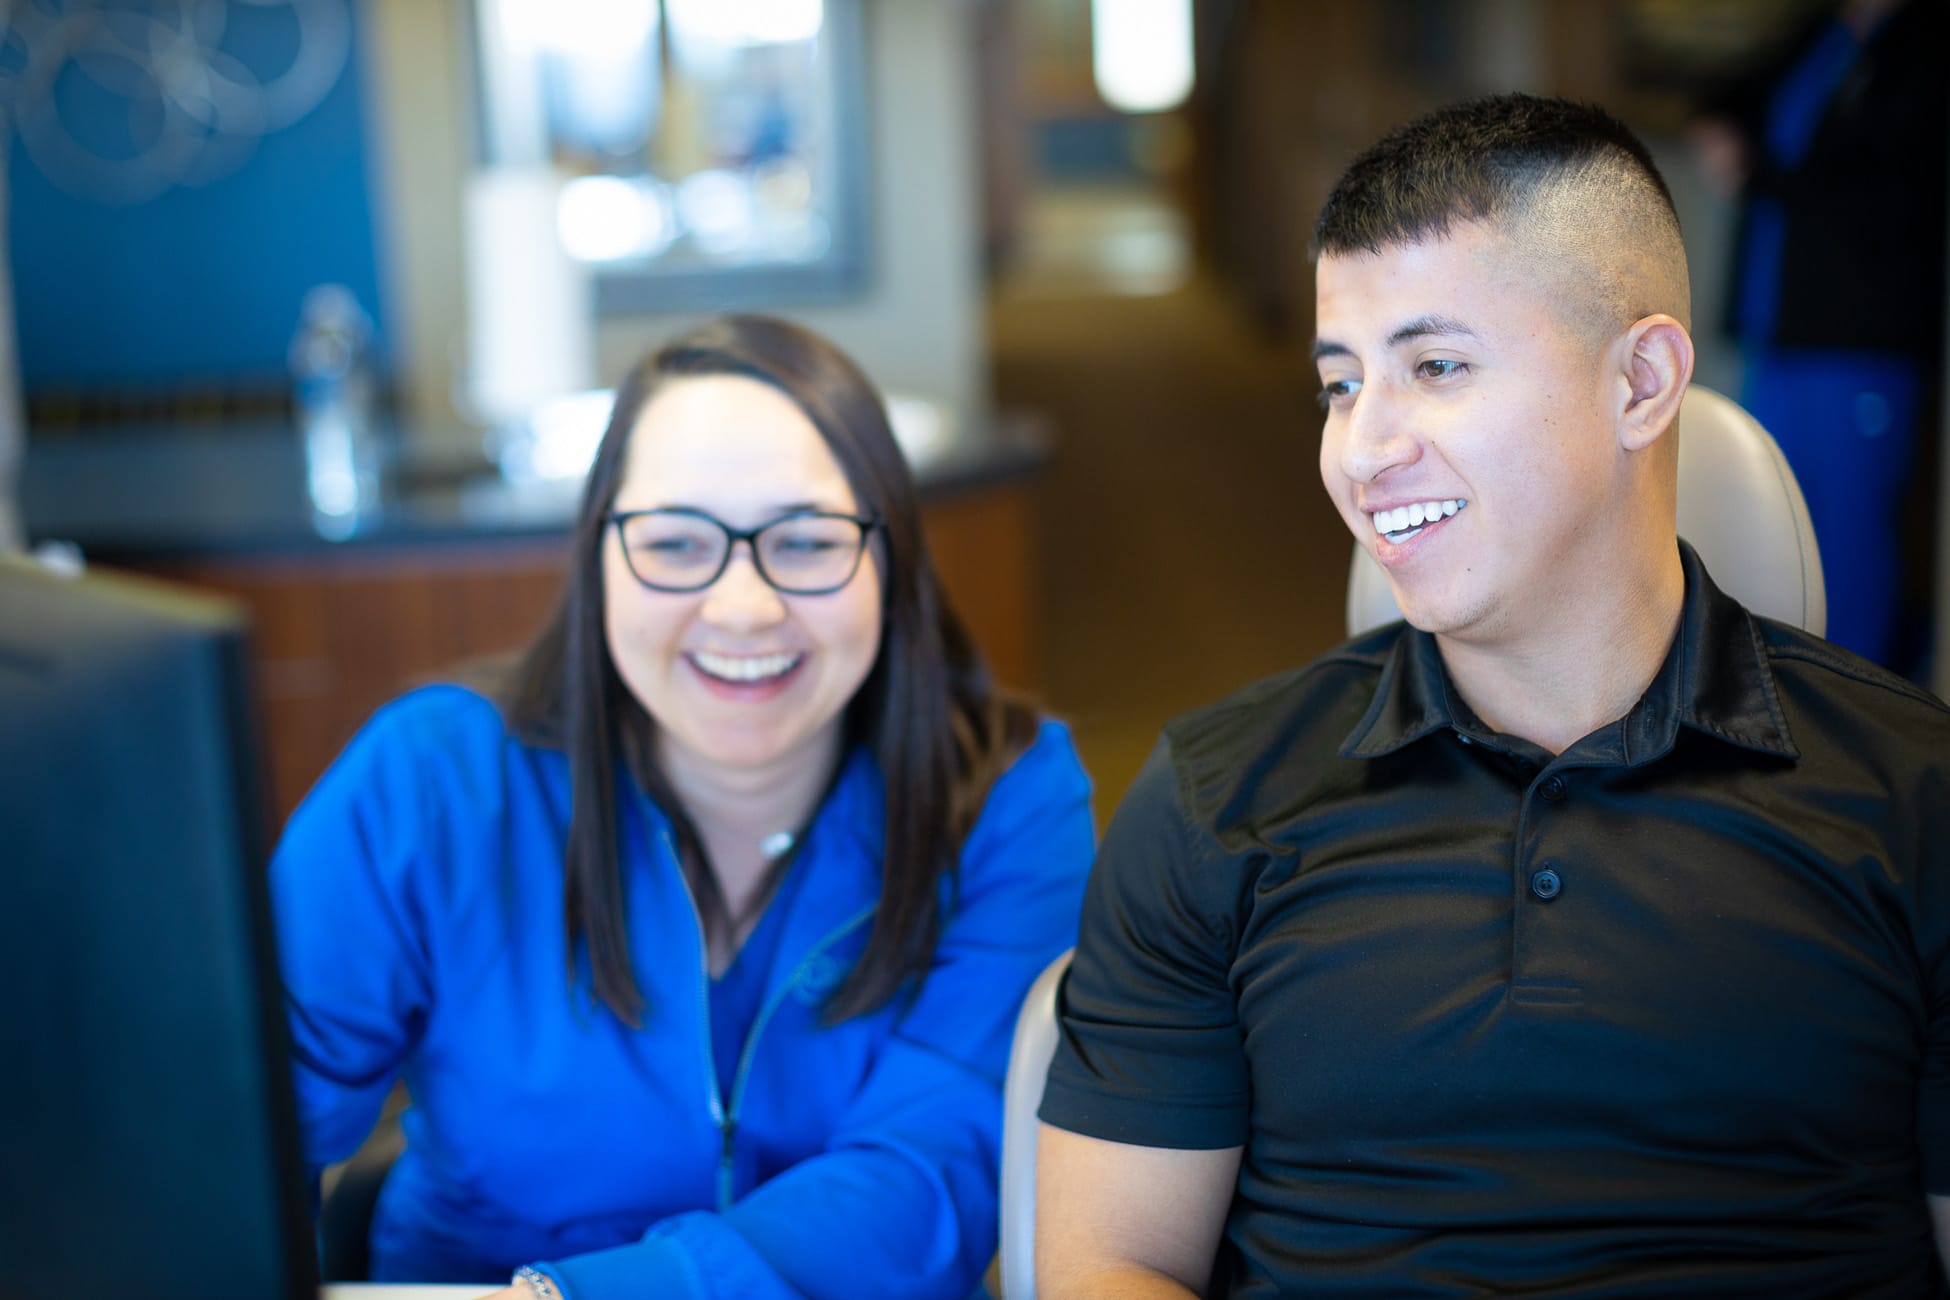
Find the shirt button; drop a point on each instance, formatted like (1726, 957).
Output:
(1553, 788)
(1547, 884)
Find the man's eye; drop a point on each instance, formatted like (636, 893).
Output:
(1335, 391)
(1440, 368)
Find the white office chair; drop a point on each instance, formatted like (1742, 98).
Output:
(1738, 505)
(1022, 1094)
(1743, 512)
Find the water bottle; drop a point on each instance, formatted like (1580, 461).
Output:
(332, 384)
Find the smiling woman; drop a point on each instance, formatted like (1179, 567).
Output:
(707, 612)
(698, 938)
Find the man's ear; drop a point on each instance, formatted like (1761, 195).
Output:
(1658, 364)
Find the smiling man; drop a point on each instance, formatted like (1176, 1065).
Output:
(1585, 935)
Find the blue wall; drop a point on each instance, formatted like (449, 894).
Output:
(199, 287)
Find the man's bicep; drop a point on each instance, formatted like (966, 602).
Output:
(1110, 1213)
(1149, 1091)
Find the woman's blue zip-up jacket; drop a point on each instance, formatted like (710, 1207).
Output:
(419, 901)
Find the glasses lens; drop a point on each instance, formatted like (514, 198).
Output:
(672, 549)
(810, 552)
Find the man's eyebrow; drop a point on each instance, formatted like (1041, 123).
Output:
(1425, 326)
(1419, 328)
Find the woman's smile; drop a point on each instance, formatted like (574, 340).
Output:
(746, 677)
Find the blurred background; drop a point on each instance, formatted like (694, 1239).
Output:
(316, 302)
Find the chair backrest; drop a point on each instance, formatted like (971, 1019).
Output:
(1029, 1058)
(1738, 505)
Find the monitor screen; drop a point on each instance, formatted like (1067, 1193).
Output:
(150, 1138)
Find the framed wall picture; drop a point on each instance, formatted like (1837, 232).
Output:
(710, 155)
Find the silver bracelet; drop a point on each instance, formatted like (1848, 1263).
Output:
(539, 1282)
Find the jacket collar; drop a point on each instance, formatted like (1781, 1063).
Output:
(848, 835)
(839, 870)
(1715, 680)
(840, 852)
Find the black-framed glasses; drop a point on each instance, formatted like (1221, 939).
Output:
(806, 553)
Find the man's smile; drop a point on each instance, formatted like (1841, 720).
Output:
(1403, 522)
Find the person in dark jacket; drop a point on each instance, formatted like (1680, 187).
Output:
(1840, 152)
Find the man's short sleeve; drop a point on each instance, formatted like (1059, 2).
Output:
(1149, 1049)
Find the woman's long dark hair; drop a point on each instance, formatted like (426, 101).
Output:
(940, 728)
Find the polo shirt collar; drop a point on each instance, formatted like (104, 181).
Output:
(1411, 699)
(1715, 680)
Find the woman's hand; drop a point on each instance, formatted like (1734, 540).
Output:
(516, 1291)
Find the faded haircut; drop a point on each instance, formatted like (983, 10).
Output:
(1570, 186)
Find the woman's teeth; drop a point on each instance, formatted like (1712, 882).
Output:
(1404, 521)
(745, 668)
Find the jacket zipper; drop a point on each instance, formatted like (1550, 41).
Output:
(745, 1053)
(727, 1119)
(711, 1092)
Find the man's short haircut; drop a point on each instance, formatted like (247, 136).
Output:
(1556, 176)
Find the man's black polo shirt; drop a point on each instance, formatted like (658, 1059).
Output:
(1668, 1014)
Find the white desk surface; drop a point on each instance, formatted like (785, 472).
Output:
(408, 1290)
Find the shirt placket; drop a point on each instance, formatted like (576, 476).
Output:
(1544, 890)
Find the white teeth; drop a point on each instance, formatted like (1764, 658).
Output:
(1404, 518)
(743, 668)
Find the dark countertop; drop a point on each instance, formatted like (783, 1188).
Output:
(237, 490)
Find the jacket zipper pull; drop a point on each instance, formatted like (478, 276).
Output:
(726, 1128)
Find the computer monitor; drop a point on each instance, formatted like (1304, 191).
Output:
(150, 1141)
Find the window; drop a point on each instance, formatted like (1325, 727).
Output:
(712, 153)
